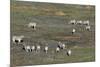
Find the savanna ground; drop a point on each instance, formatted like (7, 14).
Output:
(52, 26)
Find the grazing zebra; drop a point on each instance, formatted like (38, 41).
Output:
(46, 49)
(27, 48)
(18, 39)
(57, 49)
(69, 52)
(86, 22)
(32, 25)
(72, 22)
(73, 31)
(61, 45)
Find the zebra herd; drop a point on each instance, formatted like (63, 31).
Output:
(80, 22)
(18, 40)
(86, 24)
(61, 46)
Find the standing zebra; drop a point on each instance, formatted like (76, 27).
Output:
(88, 28)
(46, 49)
(61, 45)
(73, 31)
(27, 48)
(72, 22)
(86, 22)
(32, 48)
(18, 39)
(32, 25)
(57, 49)
(79, 22)
(38, 47)
(69, 52)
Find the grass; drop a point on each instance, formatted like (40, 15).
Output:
(78, 55)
